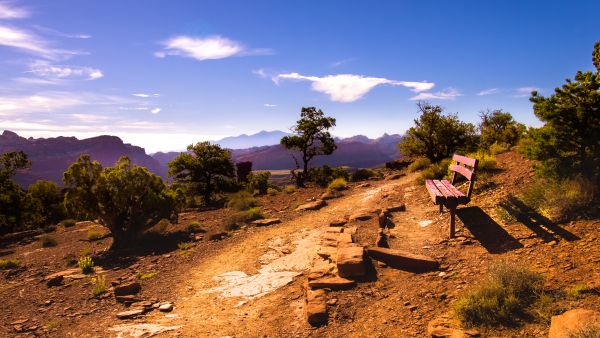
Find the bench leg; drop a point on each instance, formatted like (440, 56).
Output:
(452, 221)
(441, 208)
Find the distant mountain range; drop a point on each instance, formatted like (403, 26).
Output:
(50, 157)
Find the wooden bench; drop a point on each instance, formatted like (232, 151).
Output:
(444, 193)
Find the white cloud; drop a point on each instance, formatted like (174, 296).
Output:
(61, 34)
(206, 48)
(49, 71)
(525, 91)
(270, 105)
(155, 111)
(350, 87)
(144, 95)
(446, 94)
(9, 12)
(342, 62)
(31, 43)
(261, 73)
(486, 92)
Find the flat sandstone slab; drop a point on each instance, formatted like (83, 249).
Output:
(266, 222)
(351, 261)
(315, 205)
(403, 260)
(333, 283)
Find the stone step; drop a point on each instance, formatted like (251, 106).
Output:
(403, 260)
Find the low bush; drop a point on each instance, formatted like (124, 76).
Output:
(435, 171)
(338, 184)
(254, 214)
(67, 223)
(419, 164)
(499, 148)
(559, 201)
(363, 174)
(259, 182)
(241, 201)
(578, 290)
(98, 285)
(48, 241)
(86, 264)
(272, 191)
(95, 235)
(184, 246)
(486, 161)
(195, 227)
(141, 276)
(289, 189)
(6, 264)
(504, 295)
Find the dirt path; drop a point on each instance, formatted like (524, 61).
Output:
(251, 287)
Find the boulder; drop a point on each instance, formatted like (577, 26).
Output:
(340, 222)
(333, 283)
(55, 281)
(403, 260)
(128, 289)
(167, 307)
(266, 222)
(315, 205)
(130, 314)
(574, 323)
(316, 307)
(330, 194)
(351, 261)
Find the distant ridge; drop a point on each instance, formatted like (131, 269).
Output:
(262, 138)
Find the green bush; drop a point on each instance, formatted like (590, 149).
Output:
(289, 189)
(435, 171)
(498, 148)
(195, 227)
(98, 285)
(259, 182)
(86, 264)
(255, 213)
(241, 201)
(577, 290)
(6, 264)
(48, 241)
(505, 294)
(338, 184)
(486, 161)
(67, 223)
(363, 174)
(95, 235)
(419, 164)
(272, 191)
(559, 201)
(499, 128)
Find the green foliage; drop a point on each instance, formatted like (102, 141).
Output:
(578, 290)
(141, 276)
(67, 223)
(338, 184)
(259, 182)
(311, 139)
(502, 297)
(322, 176)
(254, 214)
(272, 191)
(498, 127)
(362, 174)
(86, 264)
(289, 189)
(48, 241)
(127, 199)
(183, 246)
(497, 148)
(436, 171)
(48, 201)
(241, 201)
(6, 264)
(419, 164)
(95, 235)
(568, 144)
(437, 136)
(14, 202)
(195, 227)
(204, 169)
(486, 161)
(99, 285)
(559, 201)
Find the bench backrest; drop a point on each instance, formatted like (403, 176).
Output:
(462, 167)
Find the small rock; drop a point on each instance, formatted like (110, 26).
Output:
(340, 222)
(351, 261)
(54, 281)
(316, 307)
(315, 205)
(266, 222)
(333, 283)
(167, 307)
(130, 314)
(128, 289)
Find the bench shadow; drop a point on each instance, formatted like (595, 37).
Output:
(490, 234)
(540, 225)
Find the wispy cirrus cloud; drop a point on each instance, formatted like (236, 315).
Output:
(525, 91)
(350, 87)
(54, 32)
(7, 11)
(31, 43)
(446, 94)
(270, 105)
(489, 91)
(49, 71)
(206, 48)
(144, 95)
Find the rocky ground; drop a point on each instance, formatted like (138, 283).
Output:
(254, 281)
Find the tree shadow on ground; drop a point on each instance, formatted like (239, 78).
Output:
(540, 225)
(490, 234)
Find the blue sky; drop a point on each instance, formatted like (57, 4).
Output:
(163, 74)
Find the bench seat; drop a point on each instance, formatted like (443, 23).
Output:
(443, 192)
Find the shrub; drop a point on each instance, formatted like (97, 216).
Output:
(498, 148)
(578, 290)
(419, 164)
(503, 296)
(161, 227)
(195, 227)
(184, 246)
(95, 235)
(143, 276)
(259, 182)
(435, 171)
(241, 201)
(559, 201)
(338, 184)
(289, 189)
(67, 223)
(272, 191)
(6, 264)
(362, 174)
(255, 213)
(98, 285)
(86, 264)
(486, 161)
(48, 241)
(498, 127)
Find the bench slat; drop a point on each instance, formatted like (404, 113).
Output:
(468, 174)
(463, 159)
(436, 195)
(462, 198)
(445, 191)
